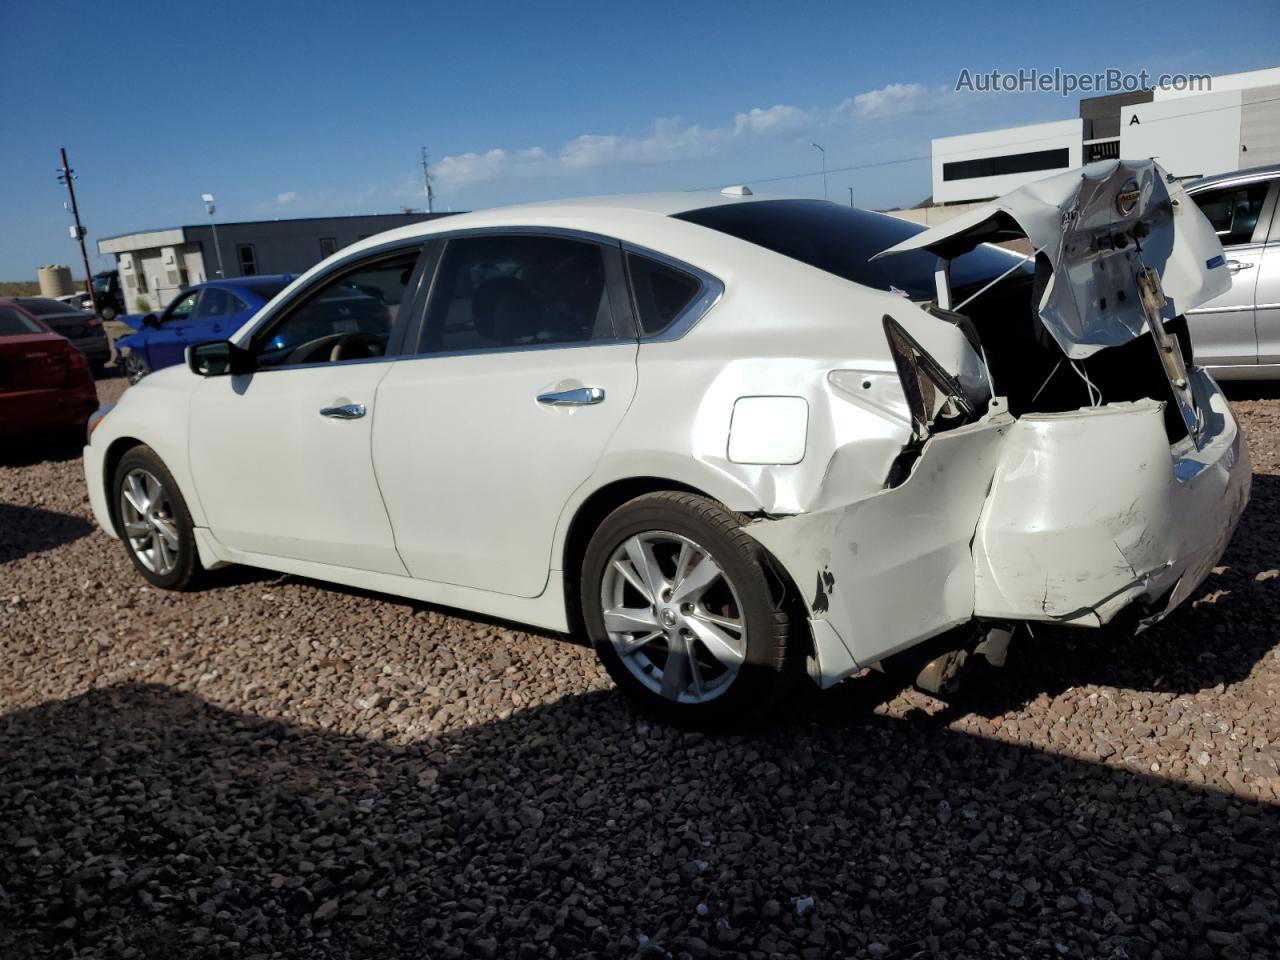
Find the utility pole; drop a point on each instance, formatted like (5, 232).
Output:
(823, 151)
(851, 198)
(66, 175)
(426, 180)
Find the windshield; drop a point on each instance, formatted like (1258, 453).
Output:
(101, 284)
(842, 240)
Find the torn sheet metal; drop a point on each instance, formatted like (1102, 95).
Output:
(1096, 228)
(895, 568)
(1087, 514)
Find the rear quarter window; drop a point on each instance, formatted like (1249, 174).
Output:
(13, 323)
(662, 292)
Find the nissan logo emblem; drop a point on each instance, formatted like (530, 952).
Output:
(1127, 198)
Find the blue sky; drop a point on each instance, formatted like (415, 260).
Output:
(296, 109)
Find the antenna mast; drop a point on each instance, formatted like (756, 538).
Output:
(426, 180)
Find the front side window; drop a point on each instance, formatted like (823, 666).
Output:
(1233, 211)
(508, 291)
(182, 307)
(14, 323)
(347, 317)
(248, 259)
(662, 292)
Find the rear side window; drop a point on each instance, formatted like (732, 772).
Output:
(662, 292)
(512, 290)
(13, 323)
(842, 240)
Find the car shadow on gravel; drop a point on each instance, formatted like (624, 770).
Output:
(141, 817)
(26, 451)
(28, 530)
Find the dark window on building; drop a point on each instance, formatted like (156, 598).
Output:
(661, 292)
(1056, 159)
(495, 293)
(1103, 150)
(1233, 211)
(842, 240)
(328, 246)
(248, 259)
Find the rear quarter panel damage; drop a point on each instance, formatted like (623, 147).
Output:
(887, 570)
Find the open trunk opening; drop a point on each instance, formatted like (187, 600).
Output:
(1031, 371)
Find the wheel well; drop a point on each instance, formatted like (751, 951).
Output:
(589, 516)
(115, 453)
(607, 499)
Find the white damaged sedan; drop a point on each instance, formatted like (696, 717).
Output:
(717, 433)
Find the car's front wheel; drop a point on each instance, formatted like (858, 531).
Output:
(684, 613)
(135, 368)
(153, 521)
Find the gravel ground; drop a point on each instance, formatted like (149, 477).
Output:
(274, 767)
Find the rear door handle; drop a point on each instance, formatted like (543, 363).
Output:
(348, 411)
(1235, 266)
(578, 397)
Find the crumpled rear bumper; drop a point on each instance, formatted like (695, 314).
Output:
(1067, 517)
(1090, 512)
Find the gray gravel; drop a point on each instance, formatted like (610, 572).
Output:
(273, 767)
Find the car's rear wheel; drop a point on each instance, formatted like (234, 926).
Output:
(684, 612)
(108, 313)
(135, 368)
(153, 521)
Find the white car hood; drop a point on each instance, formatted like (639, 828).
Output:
(1095, 228)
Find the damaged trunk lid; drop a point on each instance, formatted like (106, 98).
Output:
(1119, 250)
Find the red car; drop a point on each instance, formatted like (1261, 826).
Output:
(45, 382)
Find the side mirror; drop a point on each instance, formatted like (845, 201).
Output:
(218, 358)
(151, 320)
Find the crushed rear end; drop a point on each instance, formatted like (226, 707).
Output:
(1097, 471)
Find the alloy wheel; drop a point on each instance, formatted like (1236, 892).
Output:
(673, 616)
(147, 517)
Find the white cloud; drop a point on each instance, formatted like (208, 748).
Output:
(287, 197)
(670, 139)
(777, 119)
(898, 99)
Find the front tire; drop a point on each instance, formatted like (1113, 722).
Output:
(135, 368)
(153, 521)
(685, 614)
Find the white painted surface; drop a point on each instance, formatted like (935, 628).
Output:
(1188, 136)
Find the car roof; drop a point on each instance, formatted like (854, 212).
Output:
(240, 283)
(1268, 172)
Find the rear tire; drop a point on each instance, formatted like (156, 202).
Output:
(153, 521)
(684, 613)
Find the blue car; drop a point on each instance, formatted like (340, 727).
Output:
(207, 311)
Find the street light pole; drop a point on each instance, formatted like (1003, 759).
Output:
(66, 175)
(824, 168)
(210, 208)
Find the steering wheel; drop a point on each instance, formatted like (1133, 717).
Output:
(371, 344)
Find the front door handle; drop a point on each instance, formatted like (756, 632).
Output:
(578, 397)
(1235, 266)
(348, 411)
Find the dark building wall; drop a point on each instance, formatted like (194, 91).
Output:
(290, 246)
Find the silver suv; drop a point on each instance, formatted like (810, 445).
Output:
(1237, 335)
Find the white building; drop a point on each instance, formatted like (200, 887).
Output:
(1231, 123)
